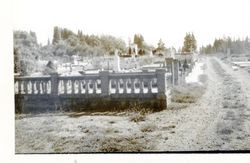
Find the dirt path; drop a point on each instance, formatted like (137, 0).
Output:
(220, 120)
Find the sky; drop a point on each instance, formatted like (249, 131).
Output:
(168, 20)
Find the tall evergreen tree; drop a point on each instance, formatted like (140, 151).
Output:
(190, 44)
(56, 35)
(139, 40)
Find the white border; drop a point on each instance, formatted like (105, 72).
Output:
(7, 138)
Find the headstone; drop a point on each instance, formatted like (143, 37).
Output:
(116, 62)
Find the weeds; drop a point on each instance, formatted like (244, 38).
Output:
(121, 144)
(138, 113)
(189, 93)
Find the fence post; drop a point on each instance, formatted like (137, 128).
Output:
(104, 76)
(161, 81)
(162, 89)
(176, 72)
(170, 68)
(54, 84)
(54, 91)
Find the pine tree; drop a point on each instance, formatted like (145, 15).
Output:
(190, 44)
(138, 40)
(56, 36)
(161, 45)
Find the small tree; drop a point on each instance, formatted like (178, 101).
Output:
(161, 45)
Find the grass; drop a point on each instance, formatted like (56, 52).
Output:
(189, 93)
(121, 144)
(138, 113)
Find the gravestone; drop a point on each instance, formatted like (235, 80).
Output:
(116, 62)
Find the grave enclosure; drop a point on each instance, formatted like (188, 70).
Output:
(103, 91)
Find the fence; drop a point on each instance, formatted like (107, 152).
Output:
(104, 90)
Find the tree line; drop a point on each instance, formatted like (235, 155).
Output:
(28, 54)
(227, 45)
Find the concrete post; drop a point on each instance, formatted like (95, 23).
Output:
(176, 72)
(54, 84)
(170, 68)
(104, 76)
(54, 90)
(161, 81)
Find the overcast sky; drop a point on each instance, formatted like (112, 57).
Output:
(154, 19)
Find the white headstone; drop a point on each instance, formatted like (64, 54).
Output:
(116, 62)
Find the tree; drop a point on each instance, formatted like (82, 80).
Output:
(56, 35)
(33, 35)
(139, 40)
(129, 51)
(190, 44)
(161, 45)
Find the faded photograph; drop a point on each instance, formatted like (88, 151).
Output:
(94, 76)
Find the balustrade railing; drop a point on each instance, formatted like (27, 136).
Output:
(104, 84)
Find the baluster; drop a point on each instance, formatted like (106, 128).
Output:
(16, 87)
(111, 83)
(73, 87)
(50, 87)
(30, 87)
(43, 87)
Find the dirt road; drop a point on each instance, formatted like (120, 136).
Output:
(220, 120)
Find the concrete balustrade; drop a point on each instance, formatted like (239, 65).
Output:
(102, 83)
(64, 91)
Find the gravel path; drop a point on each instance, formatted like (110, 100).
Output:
(220, 120)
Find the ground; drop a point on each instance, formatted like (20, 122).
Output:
(218, 120)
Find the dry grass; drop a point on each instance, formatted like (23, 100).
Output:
(121, 144)
(189, 93)
(138, 113)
